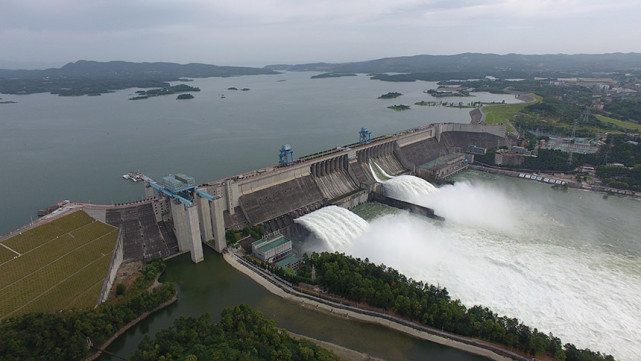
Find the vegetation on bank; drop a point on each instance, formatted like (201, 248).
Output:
(385, 288)
(63, 335)
(241, 334)
(618, 163)
(626, 125)
(504, 113)
(558, 107)
(233, 236)
(628, 109)
(627, 173)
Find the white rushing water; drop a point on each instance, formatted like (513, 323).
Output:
(403, 187)
(337, 227)
(563, 262)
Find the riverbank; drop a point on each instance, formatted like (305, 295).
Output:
(125, 328)
(342, 352)
(284, 290)
(566, 177)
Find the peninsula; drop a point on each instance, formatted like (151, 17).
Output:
(94, 78)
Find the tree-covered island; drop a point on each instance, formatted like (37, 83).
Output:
(399, 108)
(180, 88)
(390, 95)
(184, 96)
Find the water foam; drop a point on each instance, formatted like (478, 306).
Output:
(336, 226)
(539, 258)
(583, 296)
(407, 188)
(403, 187)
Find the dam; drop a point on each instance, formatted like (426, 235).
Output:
(178, 216)
(274, 196)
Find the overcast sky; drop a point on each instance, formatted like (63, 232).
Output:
(262, 32)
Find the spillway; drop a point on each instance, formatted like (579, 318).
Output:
(336, 226)
(403, 187)
(563, 262)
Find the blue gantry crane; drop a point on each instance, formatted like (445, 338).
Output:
(364, 136)
(286, 156)
(181, 187)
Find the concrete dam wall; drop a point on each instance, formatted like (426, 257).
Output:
(280, 194)
(275, 195)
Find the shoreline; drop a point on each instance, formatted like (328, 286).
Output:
(343, 353)
(606, 191)
(269, 282)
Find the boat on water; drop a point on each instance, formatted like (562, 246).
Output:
(133, 176)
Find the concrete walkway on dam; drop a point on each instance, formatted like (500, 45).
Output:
(285, 290)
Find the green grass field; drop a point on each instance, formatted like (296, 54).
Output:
(620, 123)
(504, 113)
(62, 264)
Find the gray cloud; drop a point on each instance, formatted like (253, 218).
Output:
(258, 32)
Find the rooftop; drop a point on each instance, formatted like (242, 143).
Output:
(287, 262)
(266, 245)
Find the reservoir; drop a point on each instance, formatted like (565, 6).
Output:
(55, 148)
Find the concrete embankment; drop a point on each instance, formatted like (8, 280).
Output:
(340, 351)
(282, 289)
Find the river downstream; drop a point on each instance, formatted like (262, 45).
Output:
(212, 285)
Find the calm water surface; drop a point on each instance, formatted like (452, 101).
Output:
(54, 148)
(213, 284)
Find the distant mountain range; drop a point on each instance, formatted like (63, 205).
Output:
(478, 65)
(93, 78)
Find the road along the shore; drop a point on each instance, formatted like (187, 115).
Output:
(286, 291)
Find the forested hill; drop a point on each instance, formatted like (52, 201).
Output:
(93, 78)
(479, 65)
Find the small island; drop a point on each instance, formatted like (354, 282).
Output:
(184, 96)
(331, 75)
(245, 89)
(425, 104)
(399, 108)
(181, 88)
(232, 88)
(390, 95)
(448, 92)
